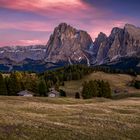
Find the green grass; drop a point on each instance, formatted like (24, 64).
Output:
(69, 119)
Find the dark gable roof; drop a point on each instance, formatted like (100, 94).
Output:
(25, 92)
(54, 92)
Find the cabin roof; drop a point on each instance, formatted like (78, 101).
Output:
(25, 92)
(53, 92)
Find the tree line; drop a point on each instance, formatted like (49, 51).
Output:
(15, 82)
(96, 88)
(11, 84)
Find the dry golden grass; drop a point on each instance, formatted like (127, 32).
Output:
(69, 119)
(117, 81)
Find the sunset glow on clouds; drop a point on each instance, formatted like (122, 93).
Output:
(26, 22)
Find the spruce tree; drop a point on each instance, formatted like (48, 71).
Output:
(77, 95)
(100, 89)
(107, 90)
(3, 89)
(87, 91)
(95, 89)
(13, 85)
(62, 93)
(137, 84)
(42, 88)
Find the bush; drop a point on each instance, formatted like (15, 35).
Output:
(77, 95)
(62, 93)
(137, 84)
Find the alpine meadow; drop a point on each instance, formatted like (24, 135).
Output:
(69, 70)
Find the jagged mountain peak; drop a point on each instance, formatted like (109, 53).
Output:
(67, 44)
(62, 27)
(102, 35)
(127, 25)
(116, 30)
(122, 42)
(133, 31)
(63, 24)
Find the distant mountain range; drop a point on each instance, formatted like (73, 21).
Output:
(68, 46)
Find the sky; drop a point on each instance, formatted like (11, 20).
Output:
(29, 22)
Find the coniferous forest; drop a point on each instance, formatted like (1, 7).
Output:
(40, 83)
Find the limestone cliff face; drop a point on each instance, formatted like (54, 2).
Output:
(99, 47)
(132, 39)
(121, 43)
(68, 44)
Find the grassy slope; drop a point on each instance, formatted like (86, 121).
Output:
(117, 81)
(69, 119)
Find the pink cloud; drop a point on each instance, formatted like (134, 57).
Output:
(30, 42)
(26, 25)
(74, 12)
(22, 42)
(94, 28)
(40, 5)
(73, 9)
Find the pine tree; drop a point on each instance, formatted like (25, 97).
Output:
(100, 89)
(96, 87)
(87, 91)
(62, 93)
(42, 88)
(3, 89)
(106, 90)
(137, 84)
(33, 85)
(77, 95)
(13, 85)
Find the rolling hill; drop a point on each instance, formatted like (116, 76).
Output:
(119, 82)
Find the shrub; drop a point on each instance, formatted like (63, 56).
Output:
(137, 84)
(77, 95)
(62, 93)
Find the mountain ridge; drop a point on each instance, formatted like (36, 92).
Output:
(68, 46)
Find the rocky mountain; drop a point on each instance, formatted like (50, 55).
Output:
(68, 45)
(120, 43)
(19, 53)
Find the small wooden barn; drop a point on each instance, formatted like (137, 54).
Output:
(25, 93)
(53, 93)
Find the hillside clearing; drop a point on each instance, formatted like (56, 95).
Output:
(69, 119)
(120, 82)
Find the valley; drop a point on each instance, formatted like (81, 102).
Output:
(69, 69)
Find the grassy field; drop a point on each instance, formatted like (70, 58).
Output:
(69, 119)
(119, 82)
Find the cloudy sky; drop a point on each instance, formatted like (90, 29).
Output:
(25, 22)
